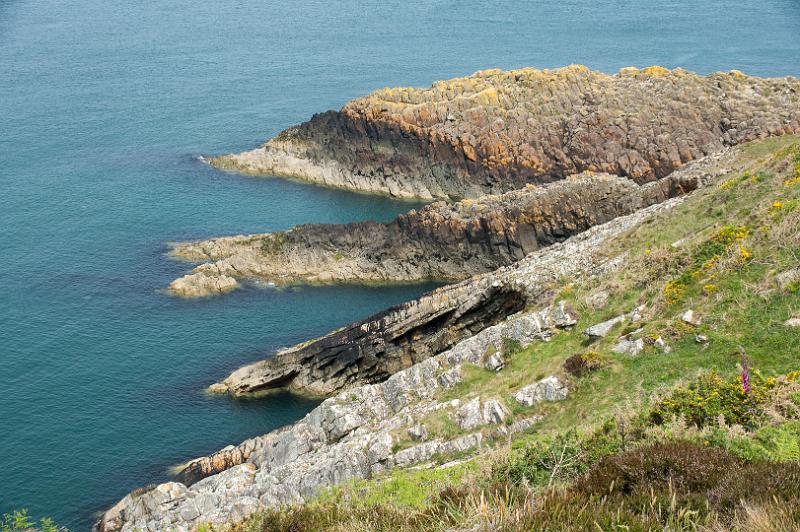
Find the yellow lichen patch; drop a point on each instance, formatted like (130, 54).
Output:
(656, 71)
(575, 68)
(487, 96)
(488, 73)
(738, 75)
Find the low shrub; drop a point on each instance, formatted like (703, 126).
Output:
(684, 466)
(545, 462)
(709, 396)
(584, 363)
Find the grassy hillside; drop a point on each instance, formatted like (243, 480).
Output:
(663, 439)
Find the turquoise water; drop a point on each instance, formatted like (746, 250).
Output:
(104, 106)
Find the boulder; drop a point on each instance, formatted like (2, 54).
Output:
(602, 329)
(418, 432)
(661, 345)
(788, 278)
(628, 346)
(494, 412)
(548, 389)
(469, 416)
(597, 300)
(691, 317)
(495, 362)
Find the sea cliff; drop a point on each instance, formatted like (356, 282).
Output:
(643, 191)
(496, 131)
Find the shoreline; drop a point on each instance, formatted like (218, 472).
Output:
(399, 342)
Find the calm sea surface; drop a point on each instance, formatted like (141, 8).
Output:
(104, 107)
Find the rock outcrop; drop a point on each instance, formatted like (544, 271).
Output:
(495, 131)
(373, 349)
(441, 241)
(348, 436)
(548, 389)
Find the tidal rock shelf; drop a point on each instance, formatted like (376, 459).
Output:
(372, 350)
(496, 131)
(442, 241)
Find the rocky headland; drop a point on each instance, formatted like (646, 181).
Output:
(389, 378)
(375, 348)
(554, 175)
(442, 241)
(496, 131)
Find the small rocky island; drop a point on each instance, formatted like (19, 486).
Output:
(562, 201)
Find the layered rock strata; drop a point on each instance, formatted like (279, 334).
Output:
(422, 345)
(495, 131)
(348, 436)
(371, 350)
(441, 241)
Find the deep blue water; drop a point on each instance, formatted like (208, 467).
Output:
(104, 106)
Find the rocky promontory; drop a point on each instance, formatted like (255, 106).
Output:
(441, 241)
(496, 131)
(377, 347)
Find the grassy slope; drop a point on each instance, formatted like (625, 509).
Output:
(717, 253)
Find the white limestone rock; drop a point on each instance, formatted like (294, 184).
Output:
(494, 412)
(548, 389)
(691, 317)
(628, 346)
(661, 345)
(469, 416)
(418, 432)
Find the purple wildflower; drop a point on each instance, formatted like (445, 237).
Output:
(745, 374)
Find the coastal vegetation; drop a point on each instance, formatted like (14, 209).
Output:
(21, 521)
(698, 430)
(625, 357)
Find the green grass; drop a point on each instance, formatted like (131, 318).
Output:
(717, 253)
(404, 488)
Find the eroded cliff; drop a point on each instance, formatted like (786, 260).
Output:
(442, 241)
(495, 131)
(375, 348)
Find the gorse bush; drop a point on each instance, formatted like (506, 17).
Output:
(709, 396)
